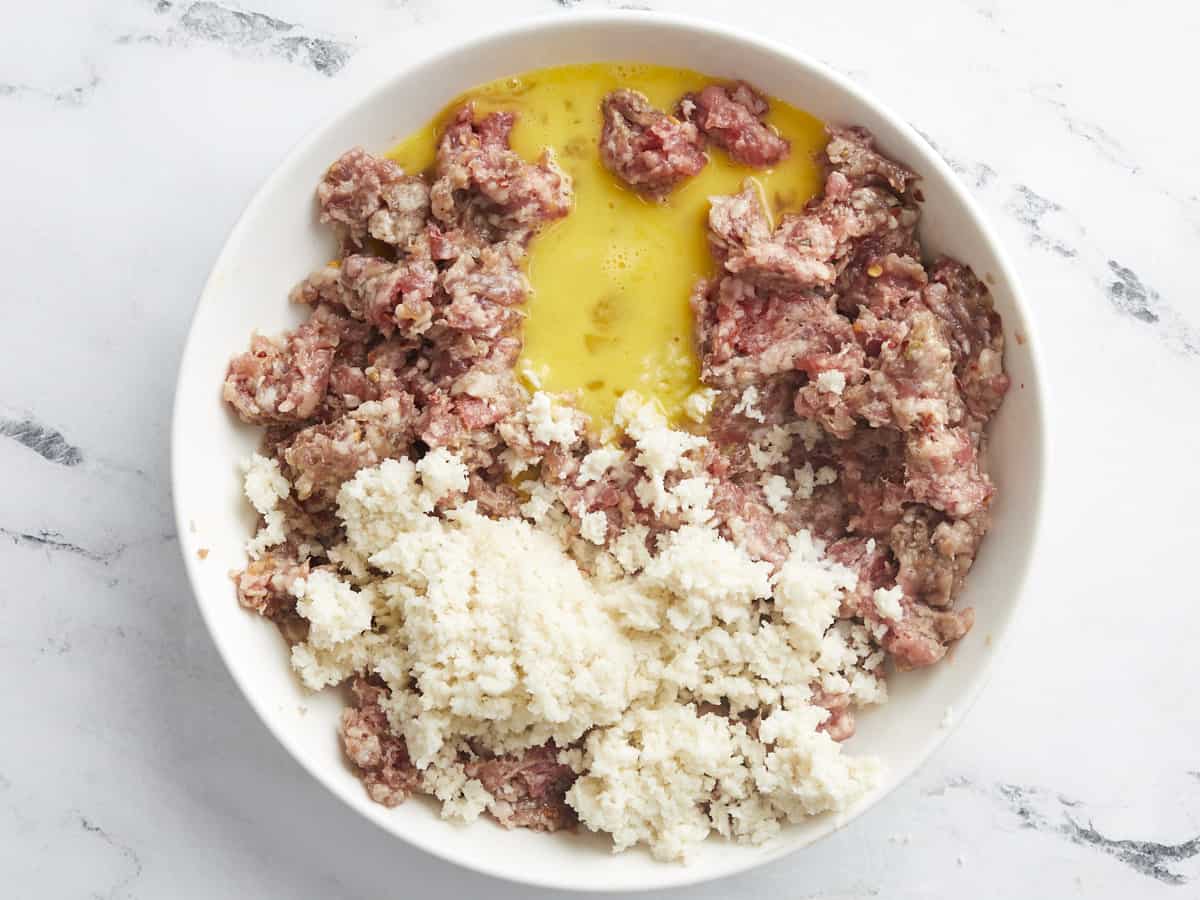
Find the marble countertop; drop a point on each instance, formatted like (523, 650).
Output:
(135, 131)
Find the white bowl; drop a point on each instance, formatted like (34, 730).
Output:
(277, 241)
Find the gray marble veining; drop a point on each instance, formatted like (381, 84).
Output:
(245, 31)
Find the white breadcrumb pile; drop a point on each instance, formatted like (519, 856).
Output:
(685, 682)
(596, 463)
(550, 422)
(265, 486)
(747, 405)
(831, 381)
(699, 404)
(887, 602)
(777, 493)
(662, 451)
(336, 612)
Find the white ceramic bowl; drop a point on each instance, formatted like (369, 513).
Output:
(278, 240)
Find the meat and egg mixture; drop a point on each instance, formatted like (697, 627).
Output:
(629, 436)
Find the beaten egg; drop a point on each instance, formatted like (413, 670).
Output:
(609, 307)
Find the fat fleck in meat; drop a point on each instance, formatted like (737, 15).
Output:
(529, 789)
(732, 118)
(647, 149)
(380, 756)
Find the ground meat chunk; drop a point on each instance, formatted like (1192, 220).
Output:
(935, 554)
(922, 635)
(464, 424)
(747, 334)
(392, 355)
(456, 362)
(265, 584)
(810, 249)
(615, 498)
(316, 526)
(732, 118)
(530, 788)
(483, 288)
(382, 293)
(942, 470)
(445, 243)
(851, 151)
(743, 439)
(872, 477)
(403, 214)
(814, 401)
(496, 498)
(380, 756)
(486, 190)
(283, 379)
(363, 194)
(962, 302)
(840, 725)
(737, 221)
(908, 384)
(467, 398)
(825, 513)
(745, 519)
(647, 149)
(323, 456)
(911, 384)
(869, 560)
(882, 276)
(349, 387)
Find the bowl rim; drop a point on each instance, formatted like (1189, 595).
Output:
(549, 24)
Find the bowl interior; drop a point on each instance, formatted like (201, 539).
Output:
(278, 241)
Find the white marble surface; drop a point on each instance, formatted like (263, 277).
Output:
(135, 131)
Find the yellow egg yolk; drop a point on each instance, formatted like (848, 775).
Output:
(609, 307)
